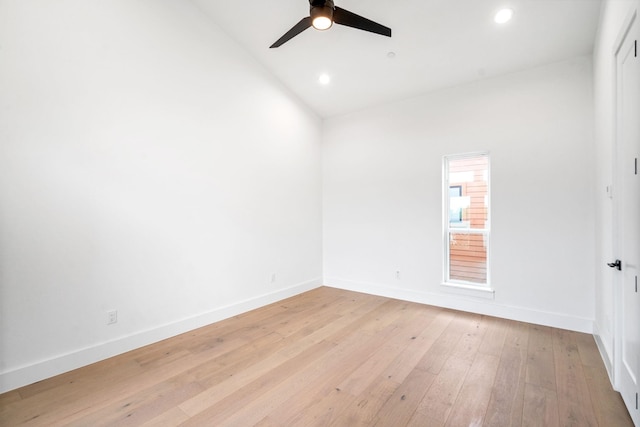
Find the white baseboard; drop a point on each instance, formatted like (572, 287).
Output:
(604, 353)
(29, 374)
(470, 304)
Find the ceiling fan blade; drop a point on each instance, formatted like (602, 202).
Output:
(297, 29)
(350, 19)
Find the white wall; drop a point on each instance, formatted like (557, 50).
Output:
(147, 165)
(612, 17)
(382, 187)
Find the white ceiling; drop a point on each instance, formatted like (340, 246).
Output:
(437, 43)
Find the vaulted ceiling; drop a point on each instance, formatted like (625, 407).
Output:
(435, 44)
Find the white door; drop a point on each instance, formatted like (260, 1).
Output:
(627, 170)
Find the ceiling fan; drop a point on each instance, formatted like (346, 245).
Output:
(323, 14)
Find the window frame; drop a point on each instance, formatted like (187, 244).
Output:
(457, 285)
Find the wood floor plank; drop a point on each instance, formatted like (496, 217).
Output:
(9, 397)
(306, 386)
(400, 334)
(216, 412)
(439, 399)
(103, 392)
(173, 417)
(76, 390)
(415, 350)
(239, 369)
(377, 315)
(331, 357)
(574, 399)
(247, 326)
(540, 407)
(225, 366)
(471, 403)
(589, 354)
(66, 384)
(366, 406)
(139, 408)
(400, 408)
(438, 402)
(507, 398)
(608, 406)
(495, 336)
(403, 333)
(366, 379)
(349, 358)
(267, 422)
(541, 369)
(324, 410)
(438, 354)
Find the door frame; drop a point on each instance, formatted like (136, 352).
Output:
(617, 279)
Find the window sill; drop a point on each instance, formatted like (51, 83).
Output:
(468, 290)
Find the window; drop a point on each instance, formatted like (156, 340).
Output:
(466, 219)
(455, 212)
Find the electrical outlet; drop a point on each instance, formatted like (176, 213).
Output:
(398, 274)
(112, 317)
(273, 277)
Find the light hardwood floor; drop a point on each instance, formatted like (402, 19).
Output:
(335, 358)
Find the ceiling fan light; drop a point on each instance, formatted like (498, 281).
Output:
(321, 23)
(322, 16)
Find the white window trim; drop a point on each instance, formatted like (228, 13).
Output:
(482, 290)
(475, 290)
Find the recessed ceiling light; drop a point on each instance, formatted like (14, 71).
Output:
(503, 15)
(324, 79)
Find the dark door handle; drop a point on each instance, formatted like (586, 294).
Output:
(617, 265)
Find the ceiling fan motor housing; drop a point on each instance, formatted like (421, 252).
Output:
(328, 3)
(320, 8)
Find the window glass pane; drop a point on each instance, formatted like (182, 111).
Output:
(455, 211)
(468, 192)
(468, 257)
